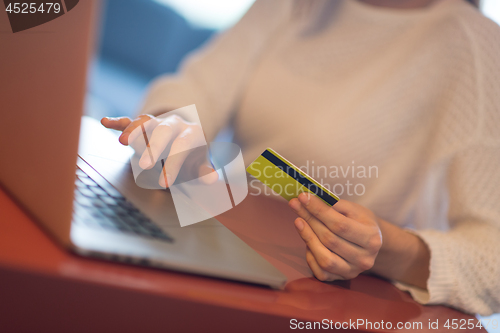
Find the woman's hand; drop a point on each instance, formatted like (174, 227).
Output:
(342, 241)
(172, 130)
(346, 239)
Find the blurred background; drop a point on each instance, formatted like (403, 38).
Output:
(141, 39)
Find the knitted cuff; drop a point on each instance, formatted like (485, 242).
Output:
(441, 282)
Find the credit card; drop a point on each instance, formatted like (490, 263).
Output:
(287, 180)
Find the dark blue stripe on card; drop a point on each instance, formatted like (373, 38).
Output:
(325, 196)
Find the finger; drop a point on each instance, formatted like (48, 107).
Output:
(118, 123)
(345, 249)
(353, 254)
(346, 208)
(125, 138)
(318, 272)
(182, 146)
(161, 137)
(207, 174)
(171, 167)
(327, 260)
(345, 227)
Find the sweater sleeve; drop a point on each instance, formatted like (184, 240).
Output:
(214, 77)
(465, 260)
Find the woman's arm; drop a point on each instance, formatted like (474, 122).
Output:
(214, 77)
(403, 257)
(464, 270)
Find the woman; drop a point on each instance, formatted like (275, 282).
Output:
(408, 86)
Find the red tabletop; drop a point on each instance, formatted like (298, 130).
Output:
(44, 288)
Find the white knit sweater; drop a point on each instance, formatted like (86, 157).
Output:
(414, 93)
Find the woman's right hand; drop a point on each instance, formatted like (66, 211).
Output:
(181, 134)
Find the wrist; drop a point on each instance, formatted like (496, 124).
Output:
(403, 256)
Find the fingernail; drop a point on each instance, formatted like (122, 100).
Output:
(122, 139)
(294, 204)
(299, 224)
(304, 198)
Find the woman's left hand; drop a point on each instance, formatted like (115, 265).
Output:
(342, 241)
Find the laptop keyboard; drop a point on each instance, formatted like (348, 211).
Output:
(108, 209)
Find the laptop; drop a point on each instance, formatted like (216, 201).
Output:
(74, 177)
